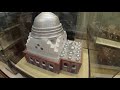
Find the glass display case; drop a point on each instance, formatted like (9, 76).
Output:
(12, 35)
(99, 33)
(104, 43)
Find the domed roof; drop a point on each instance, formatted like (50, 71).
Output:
(46, 20)
(46, 24)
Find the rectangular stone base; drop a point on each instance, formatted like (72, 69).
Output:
(69, 66)
(47, 64)
(43, 63)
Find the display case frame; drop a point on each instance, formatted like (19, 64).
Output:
(103, 44)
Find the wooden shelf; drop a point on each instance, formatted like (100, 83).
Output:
(9, 28)
(103, 71)
(107, 42)
(105, 66)
(10, 44)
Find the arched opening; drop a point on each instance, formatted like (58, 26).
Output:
(73, 66)
(43, 63)
(51, 66)
(65, 65)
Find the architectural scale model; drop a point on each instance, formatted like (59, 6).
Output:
(47, 46)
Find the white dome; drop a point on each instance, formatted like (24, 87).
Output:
(46, 20)
(46, 24)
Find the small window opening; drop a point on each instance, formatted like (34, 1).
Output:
(43, 63)
(73, 66)
(65, 65)
(51, 66)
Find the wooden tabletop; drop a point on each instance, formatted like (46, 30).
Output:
(37, 72)
(8, 72)
(117, 76)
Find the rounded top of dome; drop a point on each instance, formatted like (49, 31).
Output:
(46, 24)
(46, 20)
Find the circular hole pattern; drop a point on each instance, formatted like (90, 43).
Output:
(38, 44)
(41, 48)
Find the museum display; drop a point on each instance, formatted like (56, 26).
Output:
(48, 47)
(104, 43)
(61, 44)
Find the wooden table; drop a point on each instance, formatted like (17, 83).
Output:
(8, 72)
(117, 76)
(37, 72)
